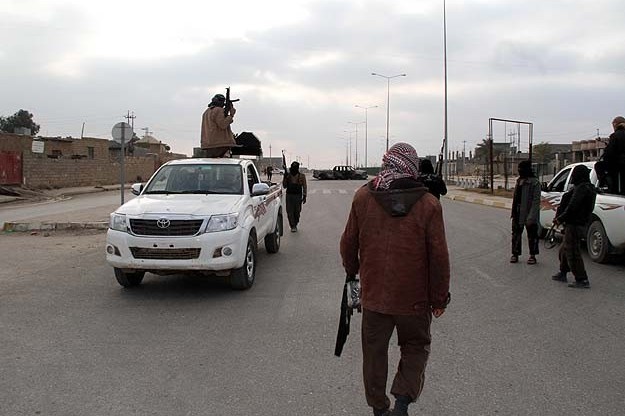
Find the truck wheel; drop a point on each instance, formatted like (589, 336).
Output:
(243, 278)
(128, 279)
(597, 242)
(272, 241)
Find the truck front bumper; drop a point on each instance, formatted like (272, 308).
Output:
(219, 251)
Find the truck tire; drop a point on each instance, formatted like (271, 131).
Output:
(597, 242)
(128, 279)
(272, 241)
(243, 277)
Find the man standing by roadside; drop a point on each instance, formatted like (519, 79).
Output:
(580, 202)
(525, 212)
(269, 170)
(395, 239)
(295, 183)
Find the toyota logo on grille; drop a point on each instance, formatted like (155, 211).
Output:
(163, 223)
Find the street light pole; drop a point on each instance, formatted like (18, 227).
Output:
(356, 130)
(366, 130)
(388, 98)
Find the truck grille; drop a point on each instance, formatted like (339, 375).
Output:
(173, 228)
(165, 253)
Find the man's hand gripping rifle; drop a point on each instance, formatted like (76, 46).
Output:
(228, 105)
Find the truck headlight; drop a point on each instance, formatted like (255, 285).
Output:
(223, 222)
(118, 222)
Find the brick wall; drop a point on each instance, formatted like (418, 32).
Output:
(43, 172)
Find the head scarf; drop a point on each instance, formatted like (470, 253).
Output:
(400, 161)
(525, 169)
(580, 174)
(219, 100)
(294, 169)
(426, 166)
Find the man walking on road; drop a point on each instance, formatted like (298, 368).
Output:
(575, 215)
(395, 239)
(295, 184)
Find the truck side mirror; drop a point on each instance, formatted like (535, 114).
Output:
(260, 189)
(136, 188)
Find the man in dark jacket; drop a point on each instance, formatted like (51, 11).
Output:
(295, 184)
(432, 181)
(395, 239)
(575, 215)
(614, 157)
(525, 212)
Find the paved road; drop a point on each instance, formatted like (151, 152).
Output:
(513, 342)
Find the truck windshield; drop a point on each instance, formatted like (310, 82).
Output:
(197, 179)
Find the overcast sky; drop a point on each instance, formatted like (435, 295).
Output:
(300, 68)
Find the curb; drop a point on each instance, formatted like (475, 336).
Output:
(54, 226)
(481, 201)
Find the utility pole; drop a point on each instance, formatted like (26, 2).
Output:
(131, 120)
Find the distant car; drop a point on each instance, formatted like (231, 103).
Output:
(340, 172)
(279, 171)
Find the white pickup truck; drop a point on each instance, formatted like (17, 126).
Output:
(202, 216)
(606, 232)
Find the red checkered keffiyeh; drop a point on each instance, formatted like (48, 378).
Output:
(400, 161)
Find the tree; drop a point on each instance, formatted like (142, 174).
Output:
(22, 118)
(542, 152)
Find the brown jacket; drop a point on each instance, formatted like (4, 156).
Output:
(216, 130)
(395, 240)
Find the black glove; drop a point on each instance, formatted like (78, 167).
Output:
(304, 199)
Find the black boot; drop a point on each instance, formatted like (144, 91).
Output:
(580, 284)
(560, 276)
(401, 406)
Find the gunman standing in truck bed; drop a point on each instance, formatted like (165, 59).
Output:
(216, 137)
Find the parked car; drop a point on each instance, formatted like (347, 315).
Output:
(605, 234)
(204, 216)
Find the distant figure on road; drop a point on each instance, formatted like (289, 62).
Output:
(432, 181)
(575, 215)
(216, 136)
(614, 157)
(295, 183)
(395, 239)
(269, 172)
(525, 212)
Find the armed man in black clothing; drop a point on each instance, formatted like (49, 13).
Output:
(614, 157)
(575, 215)
(435, 184)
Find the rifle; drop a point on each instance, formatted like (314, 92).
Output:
(228, 105)
(284, 163)
(439, 163)
(344, 319)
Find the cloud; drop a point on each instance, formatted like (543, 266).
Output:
(299, 77)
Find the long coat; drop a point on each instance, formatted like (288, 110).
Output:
(216, 131)
(396, 240)
(526, 202)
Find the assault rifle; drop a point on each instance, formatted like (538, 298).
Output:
(284, 163)
(344, 320)
(228, 105)
(439, 163)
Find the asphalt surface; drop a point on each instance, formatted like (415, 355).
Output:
(512, 342)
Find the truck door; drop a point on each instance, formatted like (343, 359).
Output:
(262, 216)
(552, 197)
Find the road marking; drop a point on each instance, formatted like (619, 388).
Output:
(488, 278)
(327, 191)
